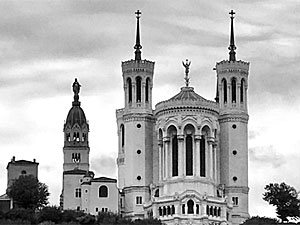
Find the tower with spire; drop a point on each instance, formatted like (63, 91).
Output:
(76, 151)
(135, 130)
(232, 83)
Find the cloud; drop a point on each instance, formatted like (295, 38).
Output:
(266, 155)
(104, 166)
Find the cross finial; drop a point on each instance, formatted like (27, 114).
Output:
(232, 13)
(232, 46)
(138, 45)
(138, 14)
(187, 70)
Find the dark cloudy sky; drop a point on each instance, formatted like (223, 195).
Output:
(44, 45)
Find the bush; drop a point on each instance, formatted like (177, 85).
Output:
(256, 220)
(21, 214)
(71, 215)
(87, 219)
(50, 213)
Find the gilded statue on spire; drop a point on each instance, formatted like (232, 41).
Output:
(187, 70)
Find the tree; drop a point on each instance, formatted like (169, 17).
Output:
(285, 198)
(27, 192)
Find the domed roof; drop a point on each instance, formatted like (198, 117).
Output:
(76, 115)
(187, 94)
(187, 98)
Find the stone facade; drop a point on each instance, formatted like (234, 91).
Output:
(186, 161)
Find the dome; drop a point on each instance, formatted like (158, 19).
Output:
(187, 98)
(76, 115)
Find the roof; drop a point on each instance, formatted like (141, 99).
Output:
(187, 98)
(77, 172)
(104, 179)
(187, 94)
(76, 115)
(4, 197)
(22, 163)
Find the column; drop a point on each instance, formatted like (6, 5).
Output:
(166, 149)
(238, 94)
(160, 158)
(177, 209)
(126, 92)
(203, 209)
(133, 94)
(215, 161)
(210, 150)
(195, 208)
(143, 95)
(154, 210)
(181, 158)
(197, 151)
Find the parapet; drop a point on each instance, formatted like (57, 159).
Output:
(137, 66)
(226, 66)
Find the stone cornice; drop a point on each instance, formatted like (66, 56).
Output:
(234, 118)
(237, 189)
(139, 117)
(195, 109)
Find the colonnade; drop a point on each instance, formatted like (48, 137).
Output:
(202, 167)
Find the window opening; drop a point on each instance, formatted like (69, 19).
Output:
(78, 193)
(189, 155)
(174, 156)
(103, 191)
(190, 205)
(225, 90)
(202, 156)
(233, 90)
(129, 87)
(138, 89)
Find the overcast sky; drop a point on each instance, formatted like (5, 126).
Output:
(44, 45)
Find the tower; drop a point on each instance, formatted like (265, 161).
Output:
(76, 146)
(232, 83)
(135, 130)
(76, 153)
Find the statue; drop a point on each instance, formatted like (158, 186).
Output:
(187, 70)
(76, 87)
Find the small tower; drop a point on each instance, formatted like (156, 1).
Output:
(135, 129)
(232, 83)
(76, 146)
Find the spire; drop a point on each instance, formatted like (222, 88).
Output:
(138, 46)
(76, 89)
(187, 70)
(232, 47)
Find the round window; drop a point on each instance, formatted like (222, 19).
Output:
(138, 125)
(234, 179)
(234, 152)
(139, 151)
(138, 178)
(233, 126)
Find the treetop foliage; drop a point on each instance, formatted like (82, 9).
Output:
(285, 198)
(28, 193)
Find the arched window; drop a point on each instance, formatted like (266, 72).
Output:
(233, 90)
(205, 133)
(190, 205)
(174, 156)
(138, 89)
(103, 191)
(147, 90)
(122, 135)
(172, 132)
(129, 88)
(189, 131)
(224, 82)
(242, 90)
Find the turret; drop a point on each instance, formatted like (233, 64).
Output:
(232, 84)
(135, 129)
(138, 78)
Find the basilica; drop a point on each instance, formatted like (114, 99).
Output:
(183, 162)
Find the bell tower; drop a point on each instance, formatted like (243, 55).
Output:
(232, 85)
(76, 145)
(135, 130)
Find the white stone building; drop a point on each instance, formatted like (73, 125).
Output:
(186, 161)
(81, 190)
